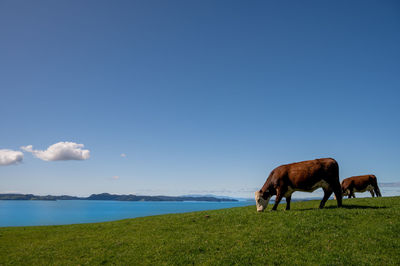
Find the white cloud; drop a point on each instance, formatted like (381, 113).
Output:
(123, 155)
(8, 157)
(60, 151)
(115, 177)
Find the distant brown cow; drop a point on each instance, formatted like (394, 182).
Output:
(360, 183)
(301, 176)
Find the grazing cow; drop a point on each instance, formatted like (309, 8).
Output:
(301, 176)
(360, 183)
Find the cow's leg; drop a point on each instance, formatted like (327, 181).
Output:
(372, 193)
(327, 194)
(338, 197)
(337, 189)
(377, 191)
(278, 199)
(351, 193)
(350, 190)
(288, 198)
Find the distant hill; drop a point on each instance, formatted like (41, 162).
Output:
(392, 184)
(35, 197)
(218, 197)
(107, 196)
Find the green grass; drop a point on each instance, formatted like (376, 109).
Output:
(365, 231)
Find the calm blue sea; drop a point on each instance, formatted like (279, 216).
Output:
(28, 212)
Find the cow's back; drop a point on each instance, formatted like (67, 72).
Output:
(359, 182)
(306, 174)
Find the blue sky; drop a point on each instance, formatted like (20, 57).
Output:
(201, 96)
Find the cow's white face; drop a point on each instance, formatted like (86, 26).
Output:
(261, 203)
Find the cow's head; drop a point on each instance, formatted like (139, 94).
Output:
(345, 192)
(262, 199)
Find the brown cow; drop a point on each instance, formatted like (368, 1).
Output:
(301, 176)
(360, 183)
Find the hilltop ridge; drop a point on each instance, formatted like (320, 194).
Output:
(107, 196)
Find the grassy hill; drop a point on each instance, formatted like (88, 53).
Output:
(365, 231)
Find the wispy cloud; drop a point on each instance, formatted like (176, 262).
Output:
(9, 157)
(115, 177)
(60, 151)
(123, 155)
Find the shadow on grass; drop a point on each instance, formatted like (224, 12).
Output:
(347, 206)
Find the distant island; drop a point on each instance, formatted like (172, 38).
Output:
(107, 196)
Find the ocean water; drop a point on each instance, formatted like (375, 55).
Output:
(29, 212)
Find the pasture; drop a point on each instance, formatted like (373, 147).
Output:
(365, 231)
